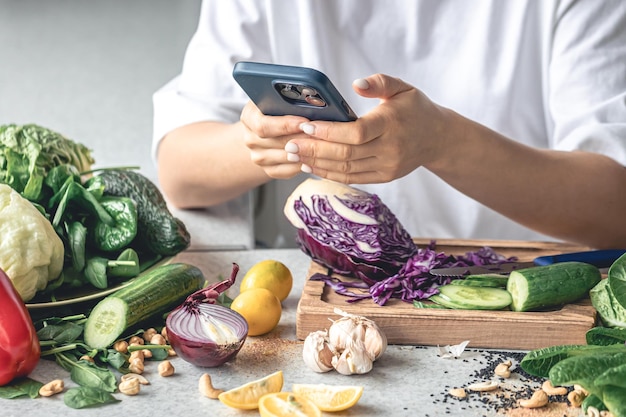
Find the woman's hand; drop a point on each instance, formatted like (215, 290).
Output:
(266, 137)
(405, 131)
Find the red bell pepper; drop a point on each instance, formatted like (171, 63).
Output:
(19, 344)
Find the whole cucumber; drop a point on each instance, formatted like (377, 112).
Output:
(551, 285)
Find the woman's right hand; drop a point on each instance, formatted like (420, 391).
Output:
(266, 137)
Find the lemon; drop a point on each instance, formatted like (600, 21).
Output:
(246, 396)
(261, 309)
(270, 274)
(287, 404)
(330, 397)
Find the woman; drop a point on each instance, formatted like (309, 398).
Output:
(483, 119)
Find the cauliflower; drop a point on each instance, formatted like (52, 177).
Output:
(31, 252)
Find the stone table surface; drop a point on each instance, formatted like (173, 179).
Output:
(405, 381)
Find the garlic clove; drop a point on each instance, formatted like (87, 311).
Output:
(374, 340)
(354, 359)
(317, 353)
(340, 331)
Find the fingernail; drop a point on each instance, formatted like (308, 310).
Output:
(361, 83)
(291, 147)
(307, 128)
(305, 168)
(292, 157)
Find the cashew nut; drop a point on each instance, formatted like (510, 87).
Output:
(504, 369)
(538, 399)
(581, 389)
(53, 387)
(483, 386)
(458, 392)
(164, 333)
(576, 398)
(142, 379)
(166, 368)
(129, 386)
(550, 389)
(206, 387)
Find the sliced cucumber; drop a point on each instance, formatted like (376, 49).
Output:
(156, 292)
(472, 298)
(551, 285)
(483, 280)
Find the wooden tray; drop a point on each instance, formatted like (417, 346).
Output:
(404, 324)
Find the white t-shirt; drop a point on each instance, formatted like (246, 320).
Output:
(548, 73)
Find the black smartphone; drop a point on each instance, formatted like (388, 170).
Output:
(280, 90)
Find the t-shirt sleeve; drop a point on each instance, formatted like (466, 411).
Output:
(227, 32)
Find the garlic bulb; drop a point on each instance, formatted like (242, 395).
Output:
(316, 353)
(344, 328)
(350, 345)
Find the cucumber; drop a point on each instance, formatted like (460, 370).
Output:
(483, 280)
(472, 298)
(551, 285)
(154, 292)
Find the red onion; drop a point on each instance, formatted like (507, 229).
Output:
(204, 333)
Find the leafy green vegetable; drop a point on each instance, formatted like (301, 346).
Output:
(115, 237)
(20, 388)
(617, 280)
(602, 374)
(539, 362)
(82, 397)
(592, 401)
(610, 311)
(28, 152)
(605, 336)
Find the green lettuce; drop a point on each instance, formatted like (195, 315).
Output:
(28, 152)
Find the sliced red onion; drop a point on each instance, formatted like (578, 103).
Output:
(204, 333)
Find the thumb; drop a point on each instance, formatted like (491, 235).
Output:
(380, 86)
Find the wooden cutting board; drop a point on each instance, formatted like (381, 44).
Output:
(405, 324)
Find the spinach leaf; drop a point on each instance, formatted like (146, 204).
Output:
(20, 388)
(77, 240)
(126, 265)
(65, 332)
(96, 272)
(82, 397)
(87, 374)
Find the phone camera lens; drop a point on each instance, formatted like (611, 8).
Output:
(308, 91)
(290, 91)
(315, 101)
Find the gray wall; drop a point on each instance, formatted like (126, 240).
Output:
(88, 68)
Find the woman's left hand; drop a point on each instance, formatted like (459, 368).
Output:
(405, 131)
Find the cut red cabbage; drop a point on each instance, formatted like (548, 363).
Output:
(348, 230)
(353, 233)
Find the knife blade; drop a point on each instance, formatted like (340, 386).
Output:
(602, 258)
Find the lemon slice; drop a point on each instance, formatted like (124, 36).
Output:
(287, 404)
(330, 397)
(246, 396)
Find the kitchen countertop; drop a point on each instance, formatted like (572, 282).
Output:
(405, 381)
